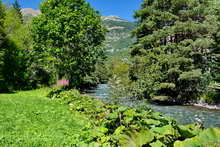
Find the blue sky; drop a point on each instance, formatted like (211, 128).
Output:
(122, 8)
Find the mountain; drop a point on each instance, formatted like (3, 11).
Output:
(118, 38)
(28, 13)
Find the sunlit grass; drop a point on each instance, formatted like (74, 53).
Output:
(30, 119)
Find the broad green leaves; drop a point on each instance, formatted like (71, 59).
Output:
(209, 137)
(157, 144)
(114, 125)
(137, 139)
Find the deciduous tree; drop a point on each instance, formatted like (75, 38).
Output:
(67, 39)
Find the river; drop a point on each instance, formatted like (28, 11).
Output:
(183, 114)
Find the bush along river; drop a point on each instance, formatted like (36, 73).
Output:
(183, 114)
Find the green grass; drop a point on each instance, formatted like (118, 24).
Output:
(30, 119)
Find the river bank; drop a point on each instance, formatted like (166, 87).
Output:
(205, 105)
(208, 115)
(119, 125)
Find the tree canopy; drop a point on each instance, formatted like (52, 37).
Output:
(2, 38)
(172, 53)
(67, 39)
(15, 45)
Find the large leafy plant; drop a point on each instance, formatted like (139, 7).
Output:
(114, 125)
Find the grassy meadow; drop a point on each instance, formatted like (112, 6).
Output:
(30, 119)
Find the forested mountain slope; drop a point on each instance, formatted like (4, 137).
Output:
(119, 36)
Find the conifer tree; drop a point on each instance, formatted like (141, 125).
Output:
(215, 53)
(215, 64)
(8, 51)
(17, 7)
(170, 57)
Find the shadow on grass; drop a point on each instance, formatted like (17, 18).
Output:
(7, 92)
(4, 90)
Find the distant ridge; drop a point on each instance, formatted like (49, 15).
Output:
(118, 39)
(113, 18)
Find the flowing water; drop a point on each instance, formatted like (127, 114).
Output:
(183, 114)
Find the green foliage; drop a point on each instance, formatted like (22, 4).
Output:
(119, 80)
(174, 40)
(18, 35)
(102, 72)
(209, 137)
(8, 50)
(67, 40)
(211, 97)
(215, 52)
(2, 40)
(189, 131)
(137, 139)
(215, 55)
(55, 92)
(114, 125)
(16, 43)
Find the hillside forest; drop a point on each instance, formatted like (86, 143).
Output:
(169, 55)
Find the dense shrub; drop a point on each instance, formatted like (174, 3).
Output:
(212, 97)
(55, 92)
